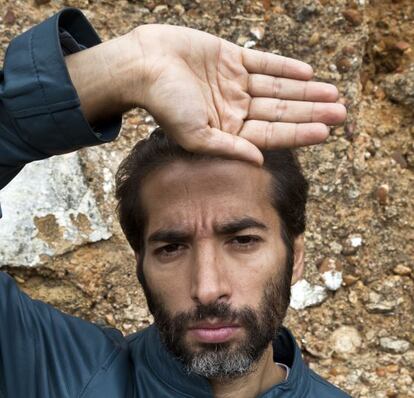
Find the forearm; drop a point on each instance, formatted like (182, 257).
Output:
(108, 77)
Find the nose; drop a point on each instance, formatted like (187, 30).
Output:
(210, 282)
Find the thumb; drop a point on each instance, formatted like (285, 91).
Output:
(215, 142)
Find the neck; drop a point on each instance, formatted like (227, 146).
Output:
(265, 375)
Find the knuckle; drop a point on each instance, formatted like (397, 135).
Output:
(276, 87)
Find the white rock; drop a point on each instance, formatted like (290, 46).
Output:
(48, 209)
(258, 32)
(394, 345)
(332, 279)
(249, 44)
(355, 240)
(345, 340)
(303, 295)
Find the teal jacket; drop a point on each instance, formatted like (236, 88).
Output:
(45, 353)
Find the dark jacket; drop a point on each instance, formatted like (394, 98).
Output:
(47, 354)
(43, 352)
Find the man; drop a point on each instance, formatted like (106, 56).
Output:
(228, 107)
(218, 243)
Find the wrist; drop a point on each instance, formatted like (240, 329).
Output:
(103, 77)
(131, 70)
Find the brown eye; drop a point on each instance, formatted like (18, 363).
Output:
(245, 241)
(169, 250)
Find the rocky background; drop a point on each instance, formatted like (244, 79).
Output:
(353, 315)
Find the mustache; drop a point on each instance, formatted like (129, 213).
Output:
(221, 311)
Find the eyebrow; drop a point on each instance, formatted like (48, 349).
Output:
(235, 226)
(227, 228)
(170, 236)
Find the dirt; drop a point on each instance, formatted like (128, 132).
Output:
(361, 181)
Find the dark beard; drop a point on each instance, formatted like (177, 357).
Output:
(224, 360)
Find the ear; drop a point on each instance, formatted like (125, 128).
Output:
(299, 258)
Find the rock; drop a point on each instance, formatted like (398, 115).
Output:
(338, 370)
(349, 280)
(384, 370)
(345, 341)
(110, 320)
(402, 46)
(332, 279)
(48, 210)
(329, 264)
(77, 3)
(314, 39)
(41, 2)
(257, 32)
(306, 12)
(408, 358)
(160, 9)
(266, 4)
(249, 44)
(399, 87)
(399, 157)
(331, 272)
(378, 305)
(402, 270)
(336, 247)
(343, 64)
(382, 194)
(353, 297)
(354, 17)
(306, 295)
(352, 244)
(179, 9)
(9, 17)
(394, 345)
(242, 40)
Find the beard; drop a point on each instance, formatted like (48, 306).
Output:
(228, 360)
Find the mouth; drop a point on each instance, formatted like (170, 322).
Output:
(213, 332)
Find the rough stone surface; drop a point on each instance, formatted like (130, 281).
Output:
(345, 340)
(48, 210)
(360, 181)
(394, 345)
(332, 279)
(400, 87)
(306, 295)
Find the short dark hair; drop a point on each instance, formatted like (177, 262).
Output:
(288, 191)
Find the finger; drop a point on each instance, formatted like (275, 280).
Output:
(267, 135)
(275, 110)
(212, 141)
(282, 88)
(275, 65)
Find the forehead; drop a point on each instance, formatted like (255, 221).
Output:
(198, 195)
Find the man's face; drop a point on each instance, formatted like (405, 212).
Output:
(214, 263)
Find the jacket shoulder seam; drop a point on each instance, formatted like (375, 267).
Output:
(105, 365)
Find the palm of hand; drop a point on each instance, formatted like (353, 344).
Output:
(220, 98)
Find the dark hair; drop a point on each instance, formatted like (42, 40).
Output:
(288, 192)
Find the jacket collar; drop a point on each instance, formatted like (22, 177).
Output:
(171, 372)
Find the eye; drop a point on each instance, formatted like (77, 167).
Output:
(170, 250)
(245, 241)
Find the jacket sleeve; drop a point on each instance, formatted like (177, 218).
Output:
(40, 114)
(46, 353)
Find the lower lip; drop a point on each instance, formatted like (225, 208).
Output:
(216, 335)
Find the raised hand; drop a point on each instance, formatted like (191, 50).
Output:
(215, 97)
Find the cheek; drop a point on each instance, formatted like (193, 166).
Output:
(171, 286)
(250, 279)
